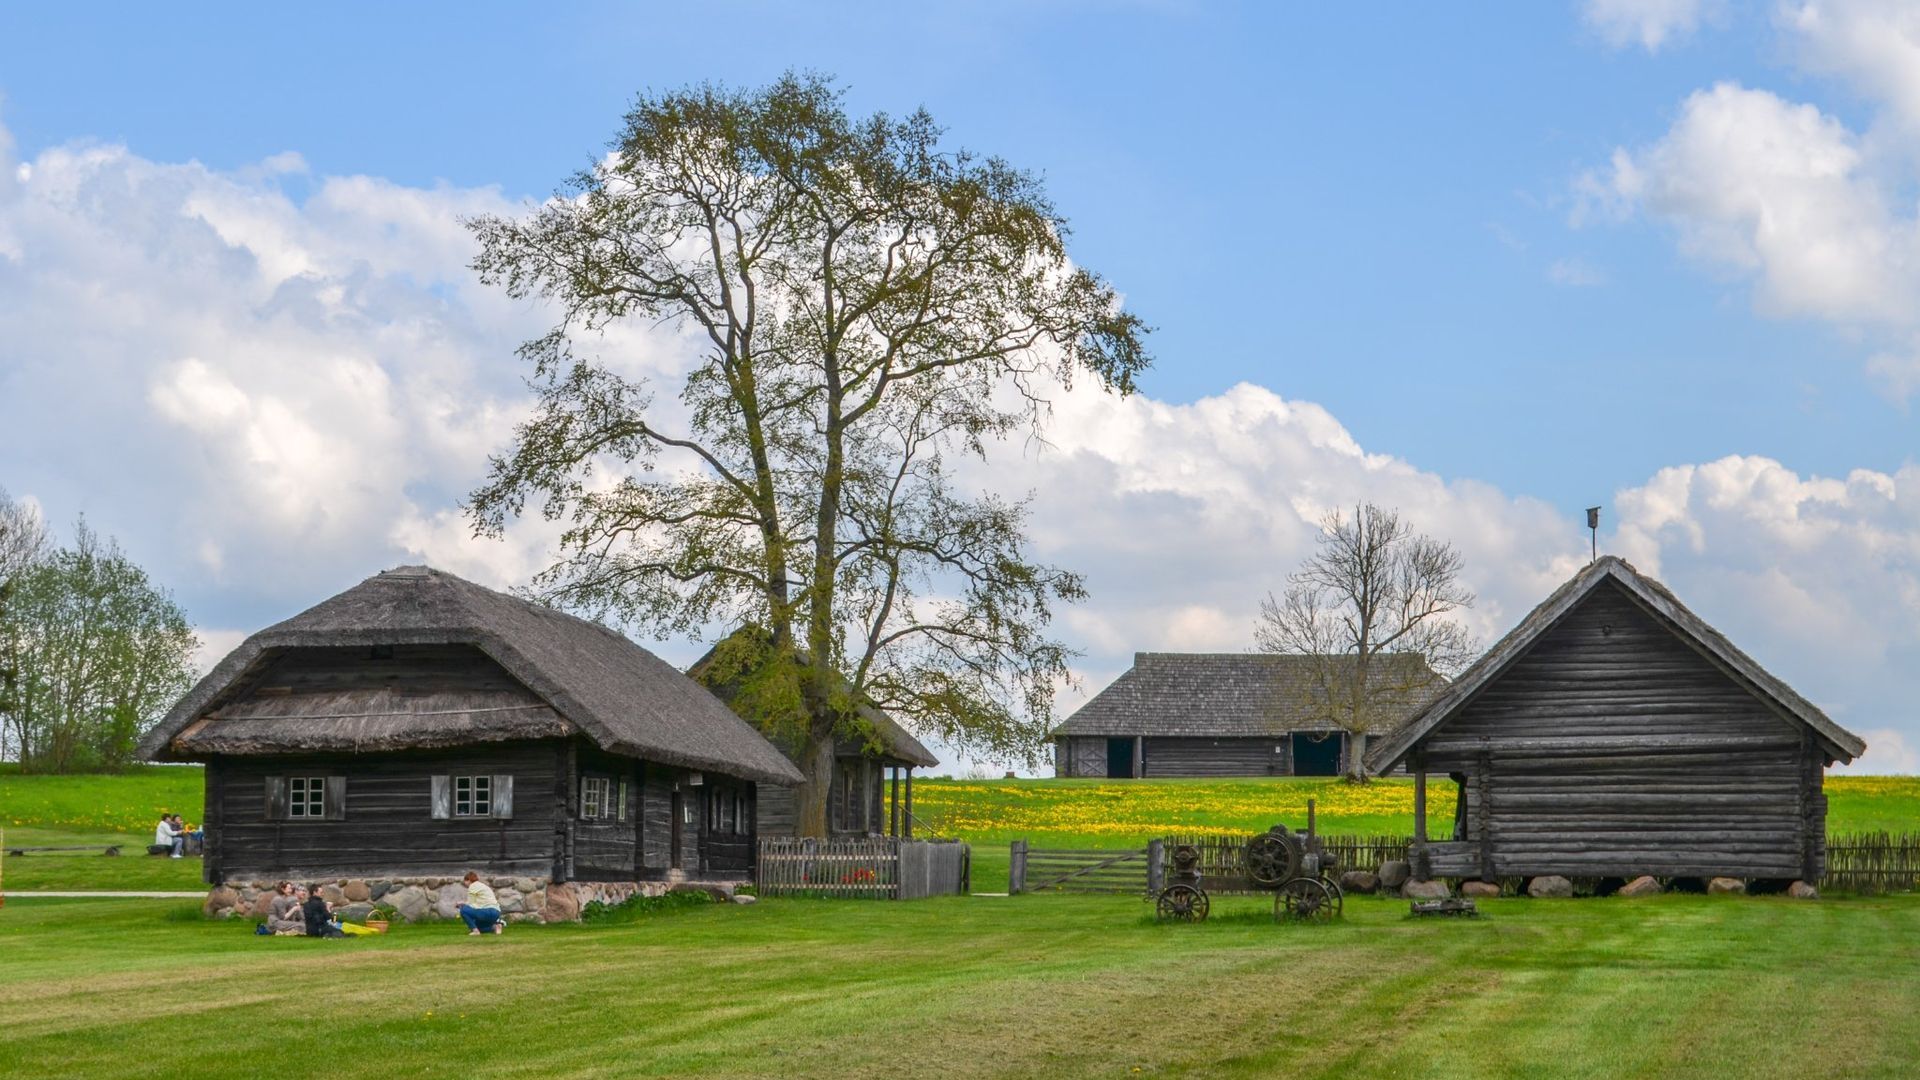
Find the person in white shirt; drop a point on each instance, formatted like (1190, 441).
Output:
(166, 836)
(481, 912)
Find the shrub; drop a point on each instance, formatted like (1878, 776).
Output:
(638, 907)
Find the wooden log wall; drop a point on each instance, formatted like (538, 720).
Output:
(607, 848)
(1086, 755)
(1615, 748)
(1221, 757)
(727, 837)
(388, 826)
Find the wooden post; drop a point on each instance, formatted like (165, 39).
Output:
(1484, 816)
(1156, 866)
(1017, 868)
(906, 822)
(1422, 864)
(1139, 756)
(893, 806)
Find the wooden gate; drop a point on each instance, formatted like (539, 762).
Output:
(1079, 871)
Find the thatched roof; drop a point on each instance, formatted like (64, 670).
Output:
(1223, 695)
(889, 742)
(572, 675)
(1664, 607)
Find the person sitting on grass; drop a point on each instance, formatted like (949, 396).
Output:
(284, 916)
(189, 836)
(166, 838)
(481, 912)
(319, 915)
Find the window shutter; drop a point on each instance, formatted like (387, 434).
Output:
(336, 807)
(502, 796)
(276, 802)
(623, 798)
(443, 796)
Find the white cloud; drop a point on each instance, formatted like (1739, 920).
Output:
(1575, 273)
(268, 399)
(1817, 577)
(1647, 23)
(275, 396)
(1872, 44)
(215, 644)
(1816, 214)
(1889, 751)
(1781, 193)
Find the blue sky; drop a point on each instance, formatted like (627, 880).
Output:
(1294, 196)
(1412, 219)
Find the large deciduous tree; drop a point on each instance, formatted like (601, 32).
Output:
(23, 543)
(96, 653)
(1370, 610)
(867, 304)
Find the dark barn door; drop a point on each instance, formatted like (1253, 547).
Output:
(1119, 759)
(1316, 753)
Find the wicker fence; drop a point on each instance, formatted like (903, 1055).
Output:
(1871, 863)
(874, 868)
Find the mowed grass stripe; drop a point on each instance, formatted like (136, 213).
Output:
(1058, 986)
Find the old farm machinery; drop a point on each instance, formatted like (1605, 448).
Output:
(1290, 865)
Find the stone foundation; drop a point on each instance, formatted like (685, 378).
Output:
(423, 899)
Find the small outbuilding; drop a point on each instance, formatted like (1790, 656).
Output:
(419, 725)
(871, 792)
(1221, 715)
(1613, 733)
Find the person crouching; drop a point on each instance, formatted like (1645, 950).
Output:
(481, 912)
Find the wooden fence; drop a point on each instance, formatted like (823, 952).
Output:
(871, 868)
(1109, 870)
(1223, 858)
(1871, 863)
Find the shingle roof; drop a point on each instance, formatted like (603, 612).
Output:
(1666, 607)
(1222, 694)
(600, 683)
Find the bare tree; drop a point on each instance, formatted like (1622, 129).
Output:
(1370, 608)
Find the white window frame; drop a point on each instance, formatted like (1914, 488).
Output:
(307, 798)
(596, 797)
(475, 794)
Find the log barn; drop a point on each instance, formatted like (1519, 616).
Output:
(1221, 714)
(1613, 733)
(421, 725)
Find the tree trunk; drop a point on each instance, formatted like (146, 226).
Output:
(1357, 757)
(816, 761)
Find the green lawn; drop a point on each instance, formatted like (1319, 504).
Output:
(61, 811)
(1025, 986)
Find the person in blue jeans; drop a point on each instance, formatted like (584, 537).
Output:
(481, 912)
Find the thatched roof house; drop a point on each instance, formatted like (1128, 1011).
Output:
(420, 722)
(1613, 732)
(1224, 714)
